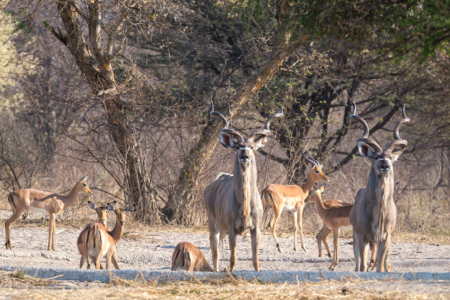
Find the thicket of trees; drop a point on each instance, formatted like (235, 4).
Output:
(122, 89)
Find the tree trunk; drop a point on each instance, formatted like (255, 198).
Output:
(200, 154)
(94, 63)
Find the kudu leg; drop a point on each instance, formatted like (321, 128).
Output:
(362, 244)
(214, 234)
(233, 254)
(8, 225)
(373, 255)
(255, 246)
(300, 224)
(356, 251)
(294, 219)
(273, 225)
(383, 252)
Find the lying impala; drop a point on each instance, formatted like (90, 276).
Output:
(43, 202)
(83, 237)
(101, 242)
(190, 258)
(232, 202)
(291, 198)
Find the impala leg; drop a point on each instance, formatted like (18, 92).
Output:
(190, 265)
(273, 225)
(335, 248)
(325, 240)
(115, 260)
(255, 246)
(98, 261)
(300, 224)
(81, 261)
(294, 219)
(232, 240)
(8, 224)
(53, 234)
(214, 233)
(108, 261)
(51, 220)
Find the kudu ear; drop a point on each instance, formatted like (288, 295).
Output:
(92, 205)
(365, 150)
(227, 140)
(260, 141)
(396, 154)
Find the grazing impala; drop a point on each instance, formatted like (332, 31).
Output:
(291, 198)
(374, 213)
(101, 242)
(232, 202)
(43, 202)
(188, 257)
(83, 237)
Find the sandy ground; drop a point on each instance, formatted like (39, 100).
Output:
(153, 251)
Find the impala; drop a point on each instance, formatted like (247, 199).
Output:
(335, 218)
(374, 213)
(291, 198)
(101, 242)
(189, 257)
(83, 237)
(43, 202)
(232, 202)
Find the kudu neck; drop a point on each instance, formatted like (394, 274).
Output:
(117, 232)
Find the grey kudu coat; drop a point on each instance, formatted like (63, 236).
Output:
(233, 202)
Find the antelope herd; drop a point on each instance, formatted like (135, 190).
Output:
(234, 204)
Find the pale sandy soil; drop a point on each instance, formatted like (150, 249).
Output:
(153, 251)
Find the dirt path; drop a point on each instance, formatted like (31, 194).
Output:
(153, 251)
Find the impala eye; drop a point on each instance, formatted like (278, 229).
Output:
(84, 184)
(317, 171)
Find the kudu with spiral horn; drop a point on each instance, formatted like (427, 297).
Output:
(232, 202)
(374, 213)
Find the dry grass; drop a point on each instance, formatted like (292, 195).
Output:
(18, 286)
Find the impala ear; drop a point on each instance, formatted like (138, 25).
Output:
(322, 189)
(92, 205)
(129, 208)
(227, 140)
(84, 178)
(365, 150)
(112, 206)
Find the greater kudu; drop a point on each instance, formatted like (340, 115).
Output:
(232, 202)
(374, 213)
